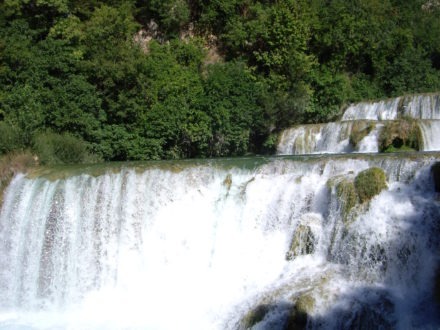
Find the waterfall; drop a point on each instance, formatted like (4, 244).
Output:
(330, 138)
(430, 130)
(422, 107)
(425, 106)
(381, 110)
(199, 245)
(335, 137)
(314, 139)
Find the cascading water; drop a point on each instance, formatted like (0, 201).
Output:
(335, 137)
(327, 138)
(430, 132)
(203, 245)
(382, 110)
(314, 139)
(425, 106)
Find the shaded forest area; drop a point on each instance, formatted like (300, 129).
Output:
(96, 80)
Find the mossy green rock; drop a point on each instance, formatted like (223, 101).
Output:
(369, 183)
(299, 314)
(254, 316)
(303, 242)
(347, 195)
(305, 303)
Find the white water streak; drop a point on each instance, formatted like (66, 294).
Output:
(431, 134)
(381, 110)
(315, 139)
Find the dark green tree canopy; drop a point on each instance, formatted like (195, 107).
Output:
(136, 79)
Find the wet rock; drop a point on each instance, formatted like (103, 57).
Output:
(435, 170)
(300, 313)
(254, 316)
(304, 238)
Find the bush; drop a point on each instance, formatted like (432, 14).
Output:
(53, 148)
(10, 138)
(369, 183)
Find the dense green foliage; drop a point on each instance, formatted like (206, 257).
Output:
(177, 78)
(369, 183)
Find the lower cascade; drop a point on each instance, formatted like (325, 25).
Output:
(321, 242)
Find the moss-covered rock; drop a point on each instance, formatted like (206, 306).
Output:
(297, 320)
(305, 303)
(303, 242)
(347, 196)
(254, 316)
(369, 183)
(299, 314)
(227, 182)
(401, 135)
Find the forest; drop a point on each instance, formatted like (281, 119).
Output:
(89, 81)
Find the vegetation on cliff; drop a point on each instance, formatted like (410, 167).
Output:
(401, 135)
(178, 78)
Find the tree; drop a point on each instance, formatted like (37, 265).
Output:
(233, 101)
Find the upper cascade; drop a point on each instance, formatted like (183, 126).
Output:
(367, 127)
(425, 106)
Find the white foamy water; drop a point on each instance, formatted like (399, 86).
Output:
(369, 144)
(422, 107)
(196, 248)
(431, 134)
(315, 139)
(330, 138)
(381, 110)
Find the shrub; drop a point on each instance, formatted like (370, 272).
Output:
(369, 183)
(53, 148)
(10, 138)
